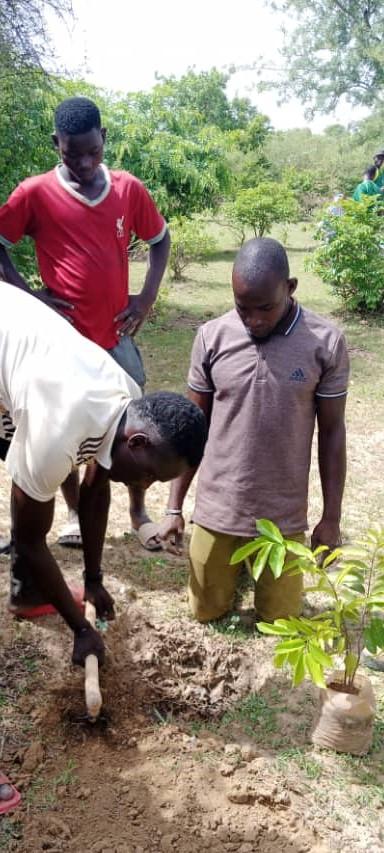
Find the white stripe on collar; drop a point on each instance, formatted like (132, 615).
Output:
(87, 201)
(294, 321)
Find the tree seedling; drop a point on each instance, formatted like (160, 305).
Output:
(352, 579)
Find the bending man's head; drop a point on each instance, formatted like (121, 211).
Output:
(261, 285)
(162, 435)
(79, 137)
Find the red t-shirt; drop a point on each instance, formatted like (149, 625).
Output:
(82, 245)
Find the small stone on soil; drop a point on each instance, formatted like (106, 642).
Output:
(227, 769)
(232, 748)
(33, 756)
(248, 752)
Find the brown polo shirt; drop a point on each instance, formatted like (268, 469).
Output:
(257, 458)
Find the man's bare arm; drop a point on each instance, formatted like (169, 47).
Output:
(31, 521)
(332, 468)
(95, 496)
(172, 527)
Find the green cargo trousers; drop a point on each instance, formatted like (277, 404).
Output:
(212, 580)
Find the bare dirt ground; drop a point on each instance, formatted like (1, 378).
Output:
(201, 746)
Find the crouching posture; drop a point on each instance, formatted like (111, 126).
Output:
(64, 402)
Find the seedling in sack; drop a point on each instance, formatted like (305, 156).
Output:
(352, 579)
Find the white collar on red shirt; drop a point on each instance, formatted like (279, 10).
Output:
(88, 202)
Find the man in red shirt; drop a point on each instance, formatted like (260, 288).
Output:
(81, 217)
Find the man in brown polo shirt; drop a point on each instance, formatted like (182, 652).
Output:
(263, 373)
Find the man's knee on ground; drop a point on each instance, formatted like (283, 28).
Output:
(207, 604)
(212, 580)
(278, 599)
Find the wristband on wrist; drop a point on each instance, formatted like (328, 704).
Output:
(173, 511)
(96, 578)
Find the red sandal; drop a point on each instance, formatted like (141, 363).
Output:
(12, 797)
(46, 609)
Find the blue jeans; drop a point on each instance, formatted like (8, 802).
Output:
(127, 355)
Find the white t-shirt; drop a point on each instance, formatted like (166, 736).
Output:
(61, 396)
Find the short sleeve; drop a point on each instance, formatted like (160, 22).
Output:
(37, 466)
(147, 222)
(15, 217)
(334, 381)
(199, 376)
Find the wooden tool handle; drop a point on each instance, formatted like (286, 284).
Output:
(93, 698)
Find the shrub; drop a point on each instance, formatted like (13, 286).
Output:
(260, 207)
(350, 257)
(190, 244)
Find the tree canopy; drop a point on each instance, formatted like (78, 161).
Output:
(24, 41)
(335, 49)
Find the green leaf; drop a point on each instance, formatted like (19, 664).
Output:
(314, 669)
(245, 551)
(355, 554)
(375, 601)
(303, 626)
(355, 586)
(261, 561)
(276, 560)
(269, 530)
(273, 629)
(374, 635)
(369, 640)
(287, 646)
(319, 655)
(332, 557)
(345, 571)
(299, 549)
(320, 550)
(299, 671)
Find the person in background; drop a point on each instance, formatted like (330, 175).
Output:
(264, 374)
(368, 186)
(379, 163)
(81, 216)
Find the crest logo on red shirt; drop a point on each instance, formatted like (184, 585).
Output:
(120, 226)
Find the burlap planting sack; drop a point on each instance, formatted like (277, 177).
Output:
(345, 720)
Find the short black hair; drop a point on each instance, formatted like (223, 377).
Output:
(179, 422)
(260, 256)
(77, 115)
(370, 171)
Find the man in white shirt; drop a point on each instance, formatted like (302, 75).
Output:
(64, 402)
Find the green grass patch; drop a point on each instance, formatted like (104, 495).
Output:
(292, 758)
(158, 573)
(11, 831)
(234, 627)
(255, 715)
(42, 792)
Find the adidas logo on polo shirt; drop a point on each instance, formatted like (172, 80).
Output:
(298, 375)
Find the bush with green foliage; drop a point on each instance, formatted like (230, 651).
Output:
(352, 579)
(260, 207)
(190, 244)
(350, 257)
